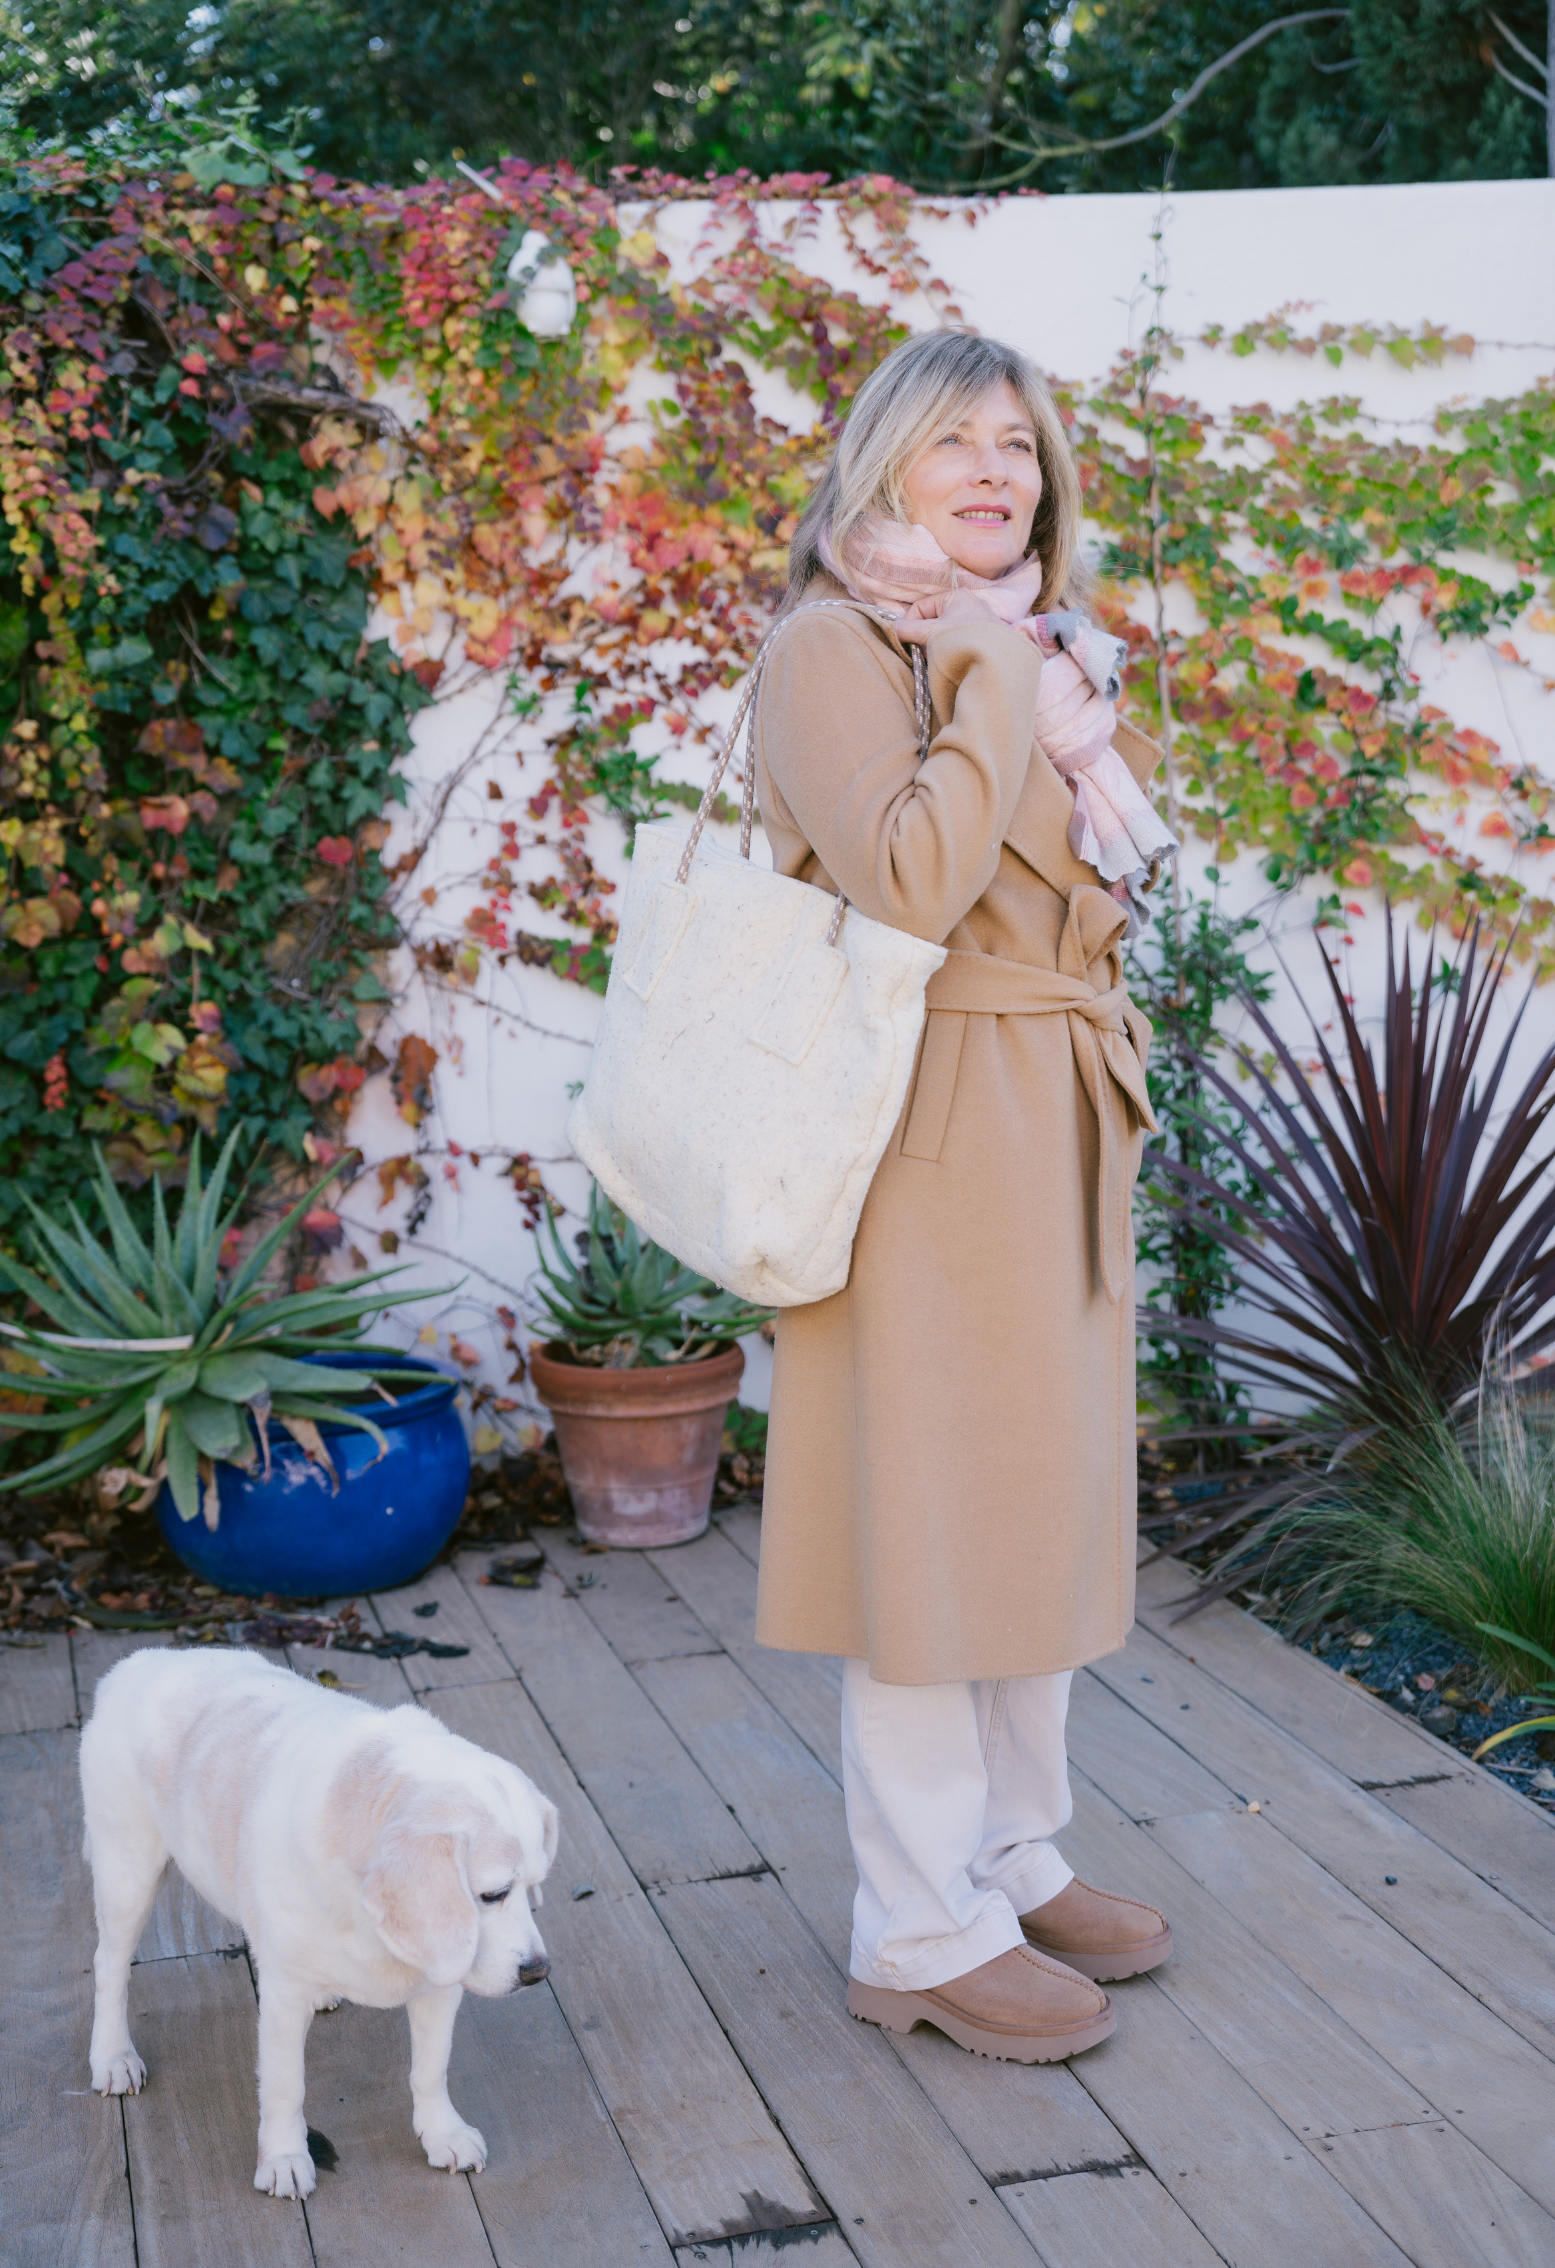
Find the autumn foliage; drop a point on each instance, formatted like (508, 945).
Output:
(233, 421)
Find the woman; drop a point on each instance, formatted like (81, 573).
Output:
(950, 1475)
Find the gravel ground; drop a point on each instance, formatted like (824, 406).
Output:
(1427, 1675)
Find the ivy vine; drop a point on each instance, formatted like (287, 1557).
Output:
(198, 741)
(205, 508)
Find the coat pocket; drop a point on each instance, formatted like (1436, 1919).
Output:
(933, 1090)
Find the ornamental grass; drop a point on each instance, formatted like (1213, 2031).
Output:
(1451, 1515)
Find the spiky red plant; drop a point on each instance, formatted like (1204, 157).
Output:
(1404, 1216)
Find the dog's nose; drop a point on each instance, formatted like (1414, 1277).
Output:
(535, 1971)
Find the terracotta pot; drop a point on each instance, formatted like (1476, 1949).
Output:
(639, 1447)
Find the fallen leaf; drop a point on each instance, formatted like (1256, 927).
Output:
(311, 1442)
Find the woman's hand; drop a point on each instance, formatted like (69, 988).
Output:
(947, 610)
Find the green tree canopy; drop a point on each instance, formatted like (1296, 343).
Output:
(947, 94)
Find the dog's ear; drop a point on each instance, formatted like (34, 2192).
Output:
(417, 1893)
(550, 1829)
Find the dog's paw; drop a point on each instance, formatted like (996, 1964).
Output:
(121, 2074)
(289, 2173)
(326, 2007)
(455, 2149)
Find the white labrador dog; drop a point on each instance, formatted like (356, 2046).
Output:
(369, 1855)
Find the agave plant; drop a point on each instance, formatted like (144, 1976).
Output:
(1402, 1223)
(628, 1302)
(160, 1357)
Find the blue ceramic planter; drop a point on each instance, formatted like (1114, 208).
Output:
(294, 1535)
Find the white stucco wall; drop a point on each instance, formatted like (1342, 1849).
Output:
(1067, 280)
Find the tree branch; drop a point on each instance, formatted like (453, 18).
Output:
(1012, 15)
(1521, 85)
(1517, 46)
(314, 401)
(1142, 133)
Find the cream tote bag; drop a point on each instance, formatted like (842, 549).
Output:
(754, 1053)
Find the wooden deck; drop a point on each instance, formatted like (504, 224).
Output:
(1348, 2064)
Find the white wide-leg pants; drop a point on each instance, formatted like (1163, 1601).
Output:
(952, 1793)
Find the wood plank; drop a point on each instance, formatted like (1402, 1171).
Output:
(897, 2180)
(1014, 2119)
(1106, 2218)
(193, 2130)
(1442, 2199)
(1505, 1838)
(95, 1652)
(37, 1690)
(455, 1623)
(1242, 2177)
(631, 1599)
(181, 1924)
(657, 1805)
(1146, 1773)
(364, 1676)
(1312, 2070)
(1492, 1828)
(380, 2202)
(789, 1807)
(559, 2191)
(64, 2180)
(1018, 2121)
(1334, 1716)
(1505, 1957)
(701, 2139)
(826, 2249)
(741, 1523)
(1474, 2069)
(719, 1583)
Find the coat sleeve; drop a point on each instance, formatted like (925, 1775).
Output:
(913, 845)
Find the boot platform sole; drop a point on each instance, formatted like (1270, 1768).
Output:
(1112, 1964)
(900, 2011)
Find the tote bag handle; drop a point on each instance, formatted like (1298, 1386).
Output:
(745, 714)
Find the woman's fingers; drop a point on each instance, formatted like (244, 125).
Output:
(918, 625)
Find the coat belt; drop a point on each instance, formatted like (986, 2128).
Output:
(1109, 1038)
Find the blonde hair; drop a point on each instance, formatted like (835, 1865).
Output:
(926, 386)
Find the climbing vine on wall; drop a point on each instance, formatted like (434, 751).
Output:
(1315, 548)
(203, 506)
(197, 740)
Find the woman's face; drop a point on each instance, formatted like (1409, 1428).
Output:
(977, 486)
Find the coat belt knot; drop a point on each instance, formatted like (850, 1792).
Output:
(1109, 1036)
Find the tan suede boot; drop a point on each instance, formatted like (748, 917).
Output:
(1020, 2007)
(1098, 1933)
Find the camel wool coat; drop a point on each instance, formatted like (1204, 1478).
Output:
(950, 1465)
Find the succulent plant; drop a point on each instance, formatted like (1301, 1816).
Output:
(625, 1302)
(160, 1357)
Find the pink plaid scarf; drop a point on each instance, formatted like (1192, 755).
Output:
(902, 571)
